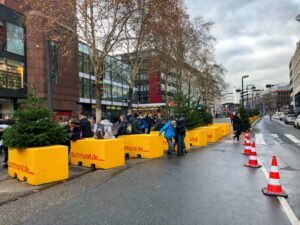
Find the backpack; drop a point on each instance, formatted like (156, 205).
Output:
(99, 134)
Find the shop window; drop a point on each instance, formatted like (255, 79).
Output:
(81, 87)
(11, 74)
(14, 39)
(87, 88)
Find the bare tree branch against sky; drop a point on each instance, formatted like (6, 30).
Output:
(256, 37)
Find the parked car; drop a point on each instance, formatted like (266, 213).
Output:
(290, 118)
(282, 116)
(297, 122)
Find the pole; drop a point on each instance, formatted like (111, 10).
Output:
(247, 98)
(242, 92)
(49, 85)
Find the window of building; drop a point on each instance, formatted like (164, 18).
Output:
(107, 91)
(11, 74)
(14, 39)
(53, 61)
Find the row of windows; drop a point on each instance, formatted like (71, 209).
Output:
(110, 92)
(11, 38)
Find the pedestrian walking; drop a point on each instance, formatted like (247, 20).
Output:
(237, 127)
(135, 126)
(169, 134)
(124, 127)
(105, 127)
(149, 121)
(231, 117)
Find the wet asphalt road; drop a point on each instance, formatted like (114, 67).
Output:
(276, 137)
(208, 186)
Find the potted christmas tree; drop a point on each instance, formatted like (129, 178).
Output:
(33, 141)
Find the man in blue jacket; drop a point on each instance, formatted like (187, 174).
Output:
(169, 133)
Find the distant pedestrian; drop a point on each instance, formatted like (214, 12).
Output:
(169, 134)
(85, 126)
(5, 123)
(124, 128)
(237, 127)
(149, 121)
(180, 131)
(231, 115)
(135, 126)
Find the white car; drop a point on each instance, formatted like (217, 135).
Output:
(297, 122)
(290, 118)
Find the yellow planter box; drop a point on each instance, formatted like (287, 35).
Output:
(39, 165)
(163, 140)
(98, 153)
(213, 133)
(198, 137)
(144, 145)
(187, 140)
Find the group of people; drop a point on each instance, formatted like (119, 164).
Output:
(175, 129)
(237, 125)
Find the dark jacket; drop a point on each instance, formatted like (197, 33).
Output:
(85, 128)
(135, 126)
(122, 130)
(237, 124)
(180, 126)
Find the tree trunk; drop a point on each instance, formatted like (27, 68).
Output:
(167, 96)
(98, 95)
(130, 98)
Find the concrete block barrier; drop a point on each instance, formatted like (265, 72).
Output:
(39, 165)
(143, 145)
(98, 153)
(198, 137)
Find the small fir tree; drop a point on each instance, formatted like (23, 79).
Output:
(244, 119)
(34, 125)
(194, 116)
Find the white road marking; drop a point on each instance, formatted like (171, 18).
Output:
(277, 139)
(293, 138)
(259, 138)
(285, 205)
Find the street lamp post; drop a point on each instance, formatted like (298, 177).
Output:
(253, 88)
(243, 77)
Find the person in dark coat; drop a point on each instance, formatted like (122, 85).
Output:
(135, 125)
(180, 131)
(122, 130)
(85, 126)
(149, 121)
(237, 127)
(7, 122)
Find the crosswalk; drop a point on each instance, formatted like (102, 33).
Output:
(275, 139)
(270, 139)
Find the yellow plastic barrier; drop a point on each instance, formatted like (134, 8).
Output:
(187, 140)
(198, 137)
(213, 133)
(222, 129)
(226, 128)
(39, 165)
(164, 141)
(143, 145)
(98, 153)
(219, 130)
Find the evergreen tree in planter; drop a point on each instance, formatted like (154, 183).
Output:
(244, 119)
(34, 125)
(193, 116)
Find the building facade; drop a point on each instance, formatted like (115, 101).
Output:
(115, 94)
(294, 68)
(28, 58)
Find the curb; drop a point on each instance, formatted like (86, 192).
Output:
(254, 124)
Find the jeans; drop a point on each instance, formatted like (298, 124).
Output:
(180, 145)
(5, 149)
(170, 145)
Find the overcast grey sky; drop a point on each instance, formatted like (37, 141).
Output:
(255, 37)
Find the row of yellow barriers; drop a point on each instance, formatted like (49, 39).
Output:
(253, 118)
(48, 164)
(109, 153)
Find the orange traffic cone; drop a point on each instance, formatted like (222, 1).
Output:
(274, 187)
(247, 137)
(247, 149)
(253, 159)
